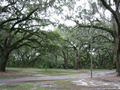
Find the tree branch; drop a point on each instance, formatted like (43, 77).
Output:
(4, 9)
(26, 43)
(97, 27)
(16, 44)
(8, 20)
(105, 38)
(35, 59)
(24, 18)
(116, 15)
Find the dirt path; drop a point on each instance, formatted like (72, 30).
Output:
(96, 74)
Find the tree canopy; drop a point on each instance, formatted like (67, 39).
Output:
(77, 26)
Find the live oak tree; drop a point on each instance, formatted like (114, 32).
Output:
(64, 46)
(51, 49)
(114, 8)
(86, 19)
(116, 30)
(44, 46)
(20, 21)
(25, 56)
(94, 17)
(75, 40)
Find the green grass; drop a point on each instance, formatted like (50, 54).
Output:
(15, 69)
(49, 72)
(18, 86)
(35, 71)
(58, 73)
(25, 86)
(101, 69)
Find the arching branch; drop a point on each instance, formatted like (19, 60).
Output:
(24, 18)
(116, 15)
(110, 30)
(104, 37)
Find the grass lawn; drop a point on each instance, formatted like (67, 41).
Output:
(22, 72)
(49, 72)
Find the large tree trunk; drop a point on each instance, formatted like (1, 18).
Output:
(56, 61)
(4, 61)
(118, 58)
(116, 66)
(77, 61)
(87, 60)
(66, 63)
(79, 65)
(117, 42)
(65, 60)
(76, 64)
(117, 48)
(73, 62)
(111, 62)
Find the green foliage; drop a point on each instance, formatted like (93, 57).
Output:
(17, 26)
(24, 44)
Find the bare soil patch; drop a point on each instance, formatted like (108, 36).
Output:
(108, 78)
(107, 82)
(11, 74)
